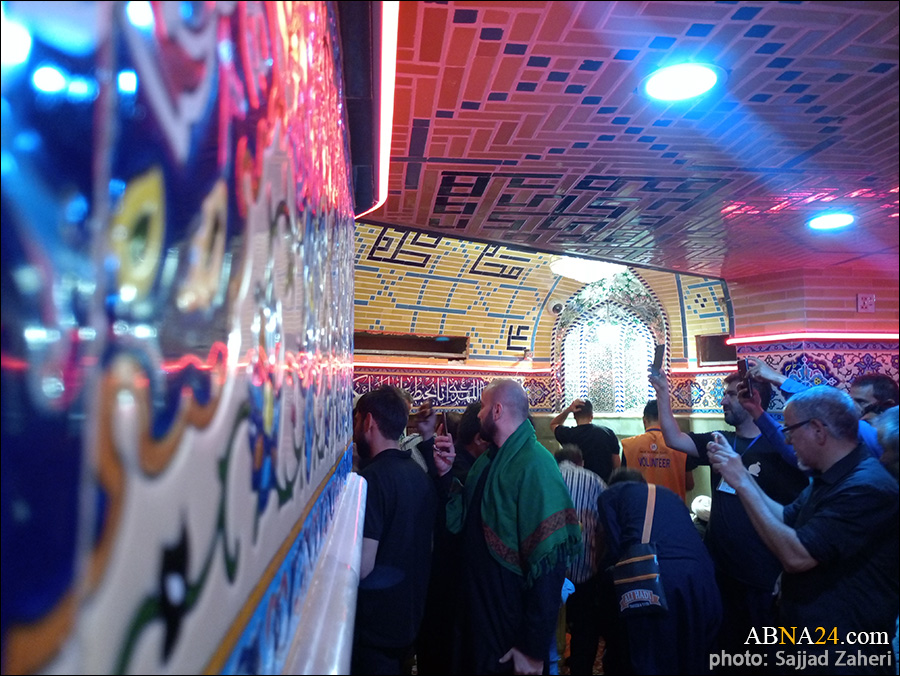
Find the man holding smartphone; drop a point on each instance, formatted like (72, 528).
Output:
(746, 570)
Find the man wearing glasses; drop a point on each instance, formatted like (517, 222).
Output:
(837, 542)
(746, 571)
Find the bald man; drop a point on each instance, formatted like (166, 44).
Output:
(519, 529)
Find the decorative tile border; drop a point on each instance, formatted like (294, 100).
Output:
(453, 390)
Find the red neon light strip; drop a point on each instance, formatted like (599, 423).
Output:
(705, 369)
(390, 20)
(813, 335)
(481, 369)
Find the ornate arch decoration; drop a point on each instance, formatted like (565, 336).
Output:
(623, 296)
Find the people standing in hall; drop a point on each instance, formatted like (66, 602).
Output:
(599, 445)
(583, 615)
(396, 549)
(657, 463)
(872, 393)
(680, 640)
(519, 530)
(469, 443)
(435, 654)
(746, 571)
(837, 542)
(420, 444)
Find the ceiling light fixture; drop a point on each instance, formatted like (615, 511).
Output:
(584, 270)
(831, 221)
(682, 81)
(390, 21)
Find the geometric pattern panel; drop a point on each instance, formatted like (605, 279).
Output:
(525, 124)
(835, 363)
(409, 282)
(697, 392)
(450, 389)
(177, 329)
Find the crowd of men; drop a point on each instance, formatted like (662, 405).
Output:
(471, 535)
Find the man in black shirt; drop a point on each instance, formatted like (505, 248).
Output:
(599, 445)
(746, 570)
(837, 541)
(396, 550)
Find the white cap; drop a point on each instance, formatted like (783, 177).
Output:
(700, 506)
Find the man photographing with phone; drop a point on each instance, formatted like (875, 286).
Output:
(746, 570)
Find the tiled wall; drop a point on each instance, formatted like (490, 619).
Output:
(820, 362)
(408, 282)
(177, 330)
(816, 299)
(694, 306)
(454, 389)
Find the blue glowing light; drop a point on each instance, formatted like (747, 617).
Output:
(82, 89)
(140, 14)
(127, 82)
(683, 81)
(49, 79)
(831, 221)
(16, 42)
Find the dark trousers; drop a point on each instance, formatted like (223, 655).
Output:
(744, 608)
(583, 616)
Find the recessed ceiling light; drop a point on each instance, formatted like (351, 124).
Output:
(584, 270)
(831, 221)
(682, 81)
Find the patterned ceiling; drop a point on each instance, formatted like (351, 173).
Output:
(522, 123)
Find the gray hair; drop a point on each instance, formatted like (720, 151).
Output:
(888, 426)
(511, 394)
(830, 405)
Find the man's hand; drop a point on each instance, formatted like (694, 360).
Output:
(426, 418)
(575, 405)
(760, 370)
(725, 461)
(750, 400)
(660, 383)
(522, 663)
(444, 451)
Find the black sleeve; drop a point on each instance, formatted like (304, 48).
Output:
(426, 448)
(563, 435)
(700, 441)
(542, 603)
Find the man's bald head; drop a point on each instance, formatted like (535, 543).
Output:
(511, 394)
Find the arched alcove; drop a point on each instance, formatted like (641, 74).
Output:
(603, 343)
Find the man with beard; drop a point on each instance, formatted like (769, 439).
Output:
(837, 541)
(518, 529)
(396, 548)
(746, 570)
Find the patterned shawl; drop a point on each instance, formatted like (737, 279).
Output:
(529, 521)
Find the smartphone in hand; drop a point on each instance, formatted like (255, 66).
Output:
(658, 355)
(744, 372)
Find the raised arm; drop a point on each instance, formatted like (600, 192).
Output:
(561, 418)
(674, 437)
(767, 426)
(766, 515)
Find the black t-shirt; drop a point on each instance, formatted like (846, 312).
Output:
(400, 511)
(847, 520)
(733, 542)
(598, 445)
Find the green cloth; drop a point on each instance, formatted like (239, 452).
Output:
(529, 520)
